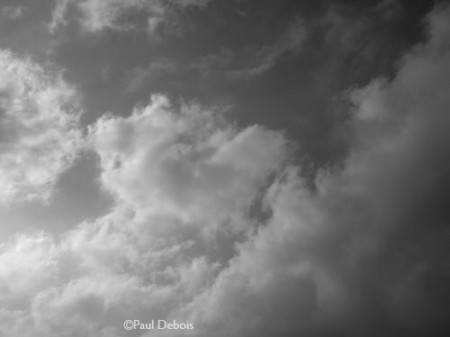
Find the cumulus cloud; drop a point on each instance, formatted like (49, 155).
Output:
(163, 243)
(38, 128)
(215, 225)
(195, 165)
(98, 15)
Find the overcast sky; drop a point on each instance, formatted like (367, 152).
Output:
(255, 168)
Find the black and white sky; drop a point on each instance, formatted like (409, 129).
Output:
(257, 168)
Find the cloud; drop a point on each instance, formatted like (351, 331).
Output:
(195, 166)
(39, 131)
(185, 182)
(137, 77)
(355, 256)
(255, 60)
(99, 15)
(13, 13)
(266, 57)
(214, 224)
(92, 280)
(221, 61)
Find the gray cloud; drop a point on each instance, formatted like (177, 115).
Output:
(362, 253)
(319, 266)
(266, 57)
(98, 15)
(137, 77)
(13, 13)
(254, 60)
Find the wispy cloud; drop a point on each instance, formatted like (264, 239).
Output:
(12, 13)
(266, 57)
(138, 76)
(98, 15)
(219, 62)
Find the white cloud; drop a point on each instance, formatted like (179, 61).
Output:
(194, 166)
(38, 128)
(179, 177)
(97, 276)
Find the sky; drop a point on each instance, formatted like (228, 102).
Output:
(235, 168)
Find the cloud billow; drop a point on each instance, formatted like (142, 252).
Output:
(39, 133)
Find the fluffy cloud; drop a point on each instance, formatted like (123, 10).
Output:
(38, 128)
(165, 241)
(97, 276)
(215, 225)
(194, 165)
(97, 15)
